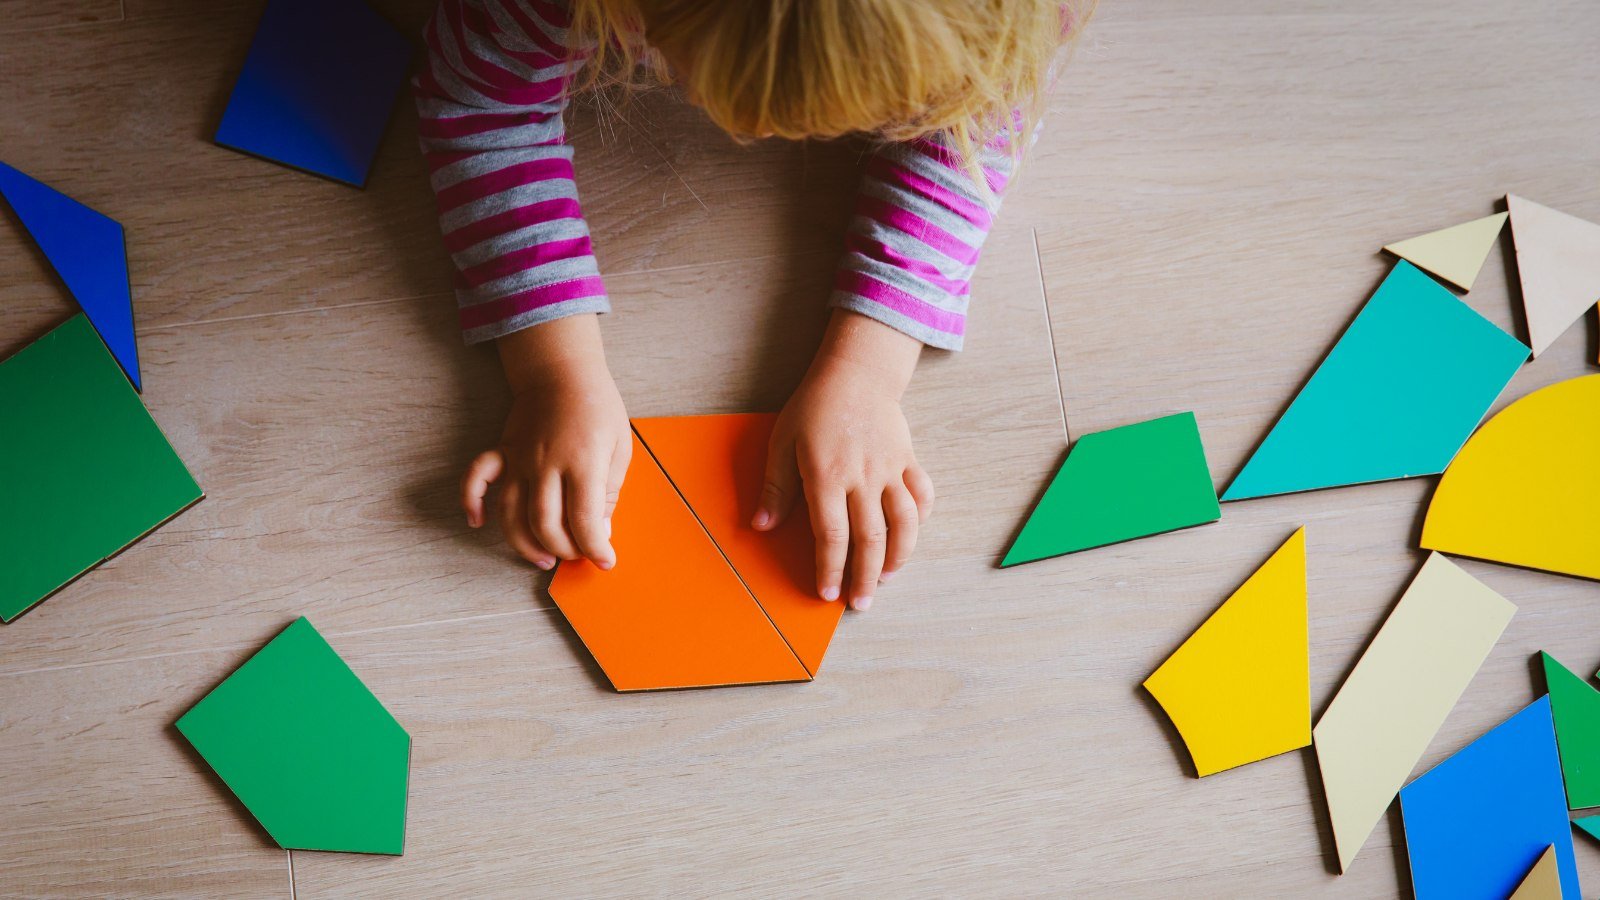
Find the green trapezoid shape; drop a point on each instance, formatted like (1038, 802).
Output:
(1121, 484)
(1576, 707)
(307, 748)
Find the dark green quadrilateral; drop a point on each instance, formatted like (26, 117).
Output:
(1120, 484)
(84, 470)
(307, 748)
(1576, 708)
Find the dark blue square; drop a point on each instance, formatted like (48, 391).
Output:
(317, 87)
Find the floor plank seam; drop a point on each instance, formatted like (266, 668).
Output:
(226, 648)
(1050, 332)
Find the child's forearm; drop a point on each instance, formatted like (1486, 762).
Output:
(536, 356)
(863, 343)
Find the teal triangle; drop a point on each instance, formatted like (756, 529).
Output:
(1590, 825)
(1116, 485)
(307, 749)
(1397, 396)
(1577, 711)
(87, 250)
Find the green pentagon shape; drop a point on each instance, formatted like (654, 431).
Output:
(308, 750)
(1120, 484)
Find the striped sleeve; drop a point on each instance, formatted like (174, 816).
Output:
(490, 102)
(919, 224)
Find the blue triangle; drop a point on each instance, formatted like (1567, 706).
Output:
(1397, 396)
(86, 249)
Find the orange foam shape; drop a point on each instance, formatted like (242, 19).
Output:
(718, 464)
(672, 613)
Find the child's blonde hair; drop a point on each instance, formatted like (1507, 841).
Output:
(974, 70)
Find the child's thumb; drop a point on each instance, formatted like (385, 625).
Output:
(779, 491)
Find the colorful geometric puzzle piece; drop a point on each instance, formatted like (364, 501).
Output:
(84, 470)
(1590, 825)
(1120, 484)
(1525, 490)
(1395, 398)
(1543, 881)
(1239, 689)
(672, 613)
(1576, 707)
(1558, 263)
(307, 749)
(317, 87)
(718, 464)
(1399, 693)
(89, 254)
(1454, 254)
(1477, 822)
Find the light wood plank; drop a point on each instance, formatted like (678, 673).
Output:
(22, 16)
(104, 798)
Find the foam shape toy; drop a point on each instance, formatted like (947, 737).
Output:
(1454, 254)
(1476, 823)
(1117, 485)
(84, 470)
(1589, 825)
(1576, 706)
(307, 749)
(1525, 490)
(317, 87)
(1558, 263)
(1239, 689)
(1543, 881)
(89, 253)
(677, 610)
(1399, 693)
(718, 464)
(1396, 397)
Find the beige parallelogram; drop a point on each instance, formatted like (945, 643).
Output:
(1558, 263)
(1543, 881)
(1399, 693)
(1454, 254)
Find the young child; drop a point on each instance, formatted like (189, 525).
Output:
(944, 85)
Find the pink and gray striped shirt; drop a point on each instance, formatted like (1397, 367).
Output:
(490, 101)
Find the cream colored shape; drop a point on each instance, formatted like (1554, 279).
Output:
(1455, 253)
(1558, 262)
(1543, 881)
(1399, 693)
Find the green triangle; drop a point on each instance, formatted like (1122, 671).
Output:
(1590, 826)
(1121, 484)
(1576, 707)
(307, 748)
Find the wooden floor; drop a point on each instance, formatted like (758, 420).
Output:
(1198, 224)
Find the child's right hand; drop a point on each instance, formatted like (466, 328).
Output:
(564, 451)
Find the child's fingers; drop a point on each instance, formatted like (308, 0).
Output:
(514, 524)
(900, 509)
(614, 478)
(830, 525)
(780, 489)
(921, 488)
(586, 516)
(481, 472)
(549, 521)
(869, 538)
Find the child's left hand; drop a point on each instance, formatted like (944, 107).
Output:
(843, 439)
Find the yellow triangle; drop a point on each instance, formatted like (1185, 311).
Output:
(1239, 689)
(1558, 263)
(1455, 253)
(1543, 881)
